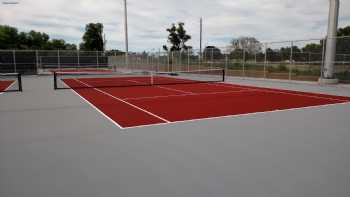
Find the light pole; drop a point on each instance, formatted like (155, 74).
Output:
(200, 39)
(126, 33)
(331, 44)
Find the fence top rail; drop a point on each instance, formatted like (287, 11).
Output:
(290, 41)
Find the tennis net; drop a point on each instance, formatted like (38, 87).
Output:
(68, 80)
(10, 82)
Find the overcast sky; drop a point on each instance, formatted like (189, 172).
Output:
(267, 20)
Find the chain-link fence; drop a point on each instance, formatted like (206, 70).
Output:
(288, 60)
(41, 62)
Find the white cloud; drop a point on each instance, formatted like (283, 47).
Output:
(267, 20)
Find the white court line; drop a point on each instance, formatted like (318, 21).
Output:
(172, 89)
(134, 106)
(93, 106)
(281, 92)
(184, 95)
(214, 118)
(176, 90)
(238, 115)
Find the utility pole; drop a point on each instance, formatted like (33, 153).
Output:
(200, 39)
(126, 33)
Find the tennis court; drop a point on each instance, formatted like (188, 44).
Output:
(141, 99)
(241, 137)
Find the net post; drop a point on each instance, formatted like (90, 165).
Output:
(55, 80)
(19, 78)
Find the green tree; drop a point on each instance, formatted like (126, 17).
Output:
(8, 37)
(115, 52)
(344, 31)
(212, 52)
(37, 40)
(177, 38)
(93, 37)
(59, 44)
(343, 44)
(250, 44)
(71, 46)
(285, 53)
(56, 44)
(313, 48)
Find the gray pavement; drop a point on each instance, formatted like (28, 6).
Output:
(53, 144)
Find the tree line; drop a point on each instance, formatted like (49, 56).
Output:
(250, 47)
(11, 38)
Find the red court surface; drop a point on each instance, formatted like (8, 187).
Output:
(4, 85)
(139, 106)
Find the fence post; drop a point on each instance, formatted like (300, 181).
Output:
(226, 63)
(265, 60)
(180, 59)
(58, 59)
(97, 60)
(172, 61)
(37, 61)
(212, 58)
(255, 57)
(14, 61)
(199, 60)
(147, 61)
(78, 55)
(126, 60)
(309, 62)
(323, 56)
(188, 60)
(168, 61)
(291, 61)
(158, 63)
(244, 62)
